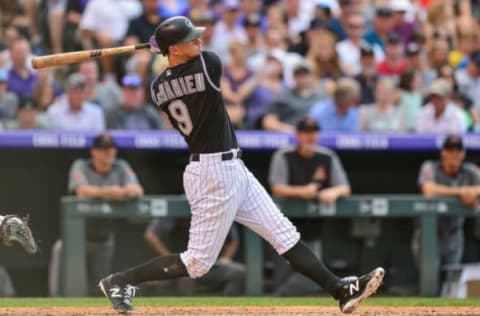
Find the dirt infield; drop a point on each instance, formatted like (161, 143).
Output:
(249, 311)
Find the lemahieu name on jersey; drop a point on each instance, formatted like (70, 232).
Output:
(179, 87)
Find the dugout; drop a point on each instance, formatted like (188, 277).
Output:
(33, 180)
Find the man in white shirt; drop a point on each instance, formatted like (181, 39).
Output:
(72, 113)
(228, 29)
(106, 23)
(440, 115)
(349, 50)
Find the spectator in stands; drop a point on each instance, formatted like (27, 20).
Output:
(47, 89)
(450, 176)
(9, 36)
(8, 100)
(205, 18)
(402, 26)
(27, 117)
(309, 172)
(382, 25)
(349, 49)
(339, 113)
(383, 115)
(106, 94)
(367, 78)
(468, 83)
(276, 19)
(21, 79)
(168, 236)
(415, 57)
(254, 34)
(437, 58)
(440, 115)
(294, 103)
(105, 22)
(237, 82)
(411, 97)
(133, 113)
(73, 16)
(72, 111)
(139, 31)
(394, 64)
(322, 54)
(270, 84)
(227, 29)
(104, 176)
(440, 23)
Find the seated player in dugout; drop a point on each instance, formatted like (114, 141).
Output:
(449, 176)
(311, 172)
(226, 278)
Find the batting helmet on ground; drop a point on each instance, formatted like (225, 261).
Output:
(173, 31)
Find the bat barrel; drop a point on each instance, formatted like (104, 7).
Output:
(79, 56)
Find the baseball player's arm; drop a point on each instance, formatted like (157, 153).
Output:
(308, 191)
(271, 122)
(330, 195)
(156, 243)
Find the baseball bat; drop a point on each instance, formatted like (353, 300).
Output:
(82, 55)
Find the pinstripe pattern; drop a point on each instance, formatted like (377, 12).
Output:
(220, 192)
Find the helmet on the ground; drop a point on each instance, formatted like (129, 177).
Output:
(172, 31)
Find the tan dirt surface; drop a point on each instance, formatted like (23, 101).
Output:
(248, 311)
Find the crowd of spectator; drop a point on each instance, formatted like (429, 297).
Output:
(353, 65)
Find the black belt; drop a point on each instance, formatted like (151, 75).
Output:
(225, 156)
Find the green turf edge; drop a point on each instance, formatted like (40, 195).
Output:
(240, 301)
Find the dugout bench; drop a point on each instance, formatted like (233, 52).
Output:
(75, 210)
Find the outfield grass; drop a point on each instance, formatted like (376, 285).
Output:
(240, 301)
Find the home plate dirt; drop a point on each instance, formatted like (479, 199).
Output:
(248, 311)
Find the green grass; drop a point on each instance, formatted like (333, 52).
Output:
(240, 301)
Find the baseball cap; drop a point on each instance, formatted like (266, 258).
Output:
(231, 4)
(475, 57)
(132, 80)
(401, 5)
(453, 142)
(103, 141)
(384, 11)
(317, 24)
(201, 17)
(3, 75)
(76, 80)
(303, 66)
(307, 124)
(366, 49)
(393, 38)
(412, 49)
(252, 19)
(26, 103)
(440, 87)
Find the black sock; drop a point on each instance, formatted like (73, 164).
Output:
(302, 259)
(159, 268)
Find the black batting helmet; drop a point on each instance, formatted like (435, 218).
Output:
(172, 31)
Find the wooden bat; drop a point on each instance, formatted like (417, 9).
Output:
(82, 55)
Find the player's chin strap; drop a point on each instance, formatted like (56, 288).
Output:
(154, 46)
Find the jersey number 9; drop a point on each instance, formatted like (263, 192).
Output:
(179, 111)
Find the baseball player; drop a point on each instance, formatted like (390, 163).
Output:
(218, 186)
(13, 229)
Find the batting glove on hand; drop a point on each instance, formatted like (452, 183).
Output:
(14, 229)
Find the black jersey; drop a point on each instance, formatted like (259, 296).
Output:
(190, 95)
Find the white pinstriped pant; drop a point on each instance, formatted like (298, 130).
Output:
(219, 193)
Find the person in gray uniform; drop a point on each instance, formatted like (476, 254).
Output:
(305, 171)
(104, 176)
(449, 176)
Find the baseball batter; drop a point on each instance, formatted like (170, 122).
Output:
(218, 186)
